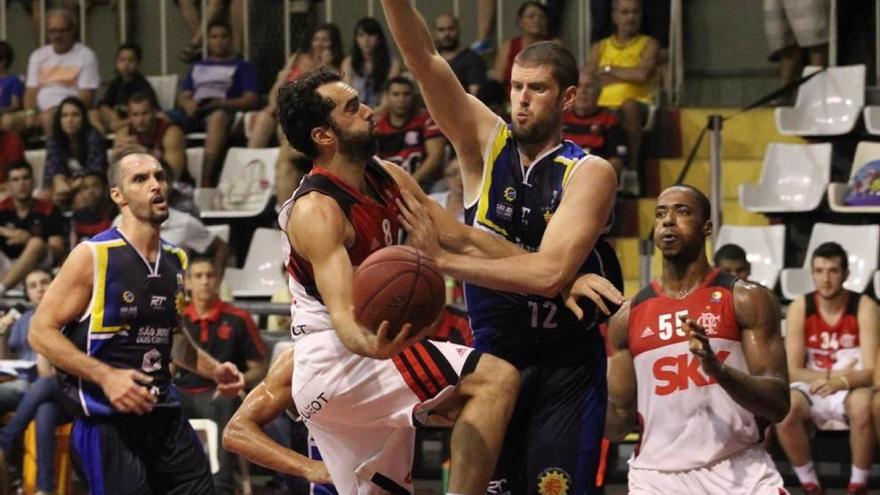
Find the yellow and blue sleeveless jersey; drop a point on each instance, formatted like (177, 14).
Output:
(517, 202)
(134, 311)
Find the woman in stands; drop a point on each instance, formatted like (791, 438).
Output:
(370, 64)
(531, 19)
(322, 49)
(74, 147)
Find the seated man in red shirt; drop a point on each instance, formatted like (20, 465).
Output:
(226, 333)
(408, 136)
(29, 227)
(593, 128)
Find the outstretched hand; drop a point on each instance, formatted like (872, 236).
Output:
(596, 289)
(420, 227)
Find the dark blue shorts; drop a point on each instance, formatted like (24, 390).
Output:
(158, 453)
(554, 439)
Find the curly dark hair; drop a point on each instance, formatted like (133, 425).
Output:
(381, 57)
(301, 109)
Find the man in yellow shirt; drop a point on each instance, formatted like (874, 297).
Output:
(625, 65)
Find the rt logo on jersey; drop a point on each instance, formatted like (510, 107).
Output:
(157, 302)
(674, 373)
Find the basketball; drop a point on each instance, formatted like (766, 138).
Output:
(399, 284)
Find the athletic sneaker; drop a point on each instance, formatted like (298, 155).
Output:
(857, 489)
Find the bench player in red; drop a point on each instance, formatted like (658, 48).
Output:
(698, 364)
(831, 343)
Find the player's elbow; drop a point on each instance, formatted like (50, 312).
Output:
(551, 283)
(233, 434)
(35, 337)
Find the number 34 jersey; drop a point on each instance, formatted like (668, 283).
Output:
(688, 421)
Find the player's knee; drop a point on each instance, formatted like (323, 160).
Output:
(497, 377)
(799, 410)
(858, 407)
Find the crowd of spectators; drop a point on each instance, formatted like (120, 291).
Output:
(61, 106)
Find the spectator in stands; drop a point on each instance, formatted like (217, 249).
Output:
(408, 136)
(146, 132)
(56, 71)
(30, 227)
(75, 147)
(11, 149)
(831, 344)
(112, 112)
(322, 49)
(213, 92)
(469, 67)
(95, 211)
(369, 64)
(11, 87)
(625, 65)
(531, 19)
(227, 333)
(41, 401)
(795, 27)
(731, 259)
(452, 199)
(216, 11)
(592, 127)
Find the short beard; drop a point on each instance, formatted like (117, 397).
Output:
(539, 132)
(358, 146)
(450, 47)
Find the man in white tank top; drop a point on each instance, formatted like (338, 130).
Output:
(696, 360)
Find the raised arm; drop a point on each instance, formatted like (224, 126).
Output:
(620, 418)
(763, 390)
(466, 122)
(65, 301)
(244, 433)
(317, 230)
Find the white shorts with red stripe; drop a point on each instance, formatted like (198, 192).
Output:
(362, 412)
(748, 472)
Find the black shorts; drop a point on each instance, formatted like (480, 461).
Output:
(158, 453)
(554, 438)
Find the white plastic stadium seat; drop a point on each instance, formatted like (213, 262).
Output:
(793, 178)
(195, 158)
(165, 88)
(764, 247)
(221, 231)
(866, 152)
(261, 275)
(872, 119)
(860, 242)
(207, 431)
(827, 105)
(239, 171)
(37, 159)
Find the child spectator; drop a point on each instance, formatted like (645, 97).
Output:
(112, 113)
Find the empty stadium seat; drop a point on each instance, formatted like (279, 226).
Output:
(37, 159)
(872, 119)
(866, 152)
(827, 105)
(261, 275)
(195, 158)
(208, 432)
(246, 172)
(764, 247)
(861, 243)
(793, 178)
(166, 90)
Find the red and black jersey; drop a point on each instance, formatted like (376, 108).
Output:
(405, 145)
(225, 332)
(43, 220)
(599, 133)
(375, 222)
